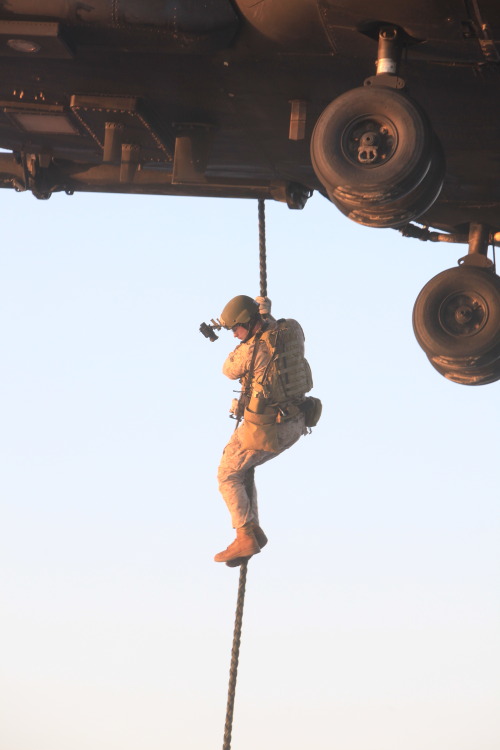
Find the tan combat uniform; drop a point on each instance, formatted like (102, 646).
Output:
(236, 469)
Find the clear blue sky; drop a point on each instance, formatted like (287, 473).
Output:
(371, 618)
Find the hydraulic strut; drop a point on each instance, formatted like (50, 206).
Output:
(389, 51)
(390, 47)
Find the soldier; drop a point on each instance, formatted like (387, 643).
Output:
(275, 376)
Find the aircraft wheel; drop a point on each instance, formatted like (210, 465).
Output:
(457, 317)
(400, 212)
(371, 145)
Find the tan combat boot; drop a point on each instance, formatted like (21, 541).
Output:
(259, 535)
(245, 545)
(261, 541)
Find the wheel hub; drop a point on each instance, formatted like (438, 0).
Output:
(369, 141)
(463, 314)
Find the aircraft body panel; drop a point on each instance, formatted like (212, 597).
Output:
(222, 75)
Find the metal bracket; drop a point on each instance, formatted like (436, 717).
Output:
(387, 80)
(297, 195)
(484, 34)
(130, 158)
(192, 151)
(113, 138)
(479, 240)
(475, 260)
(298, 115)
(36, 175)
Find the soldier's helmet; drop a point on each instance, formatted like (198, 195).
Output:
(239, 310)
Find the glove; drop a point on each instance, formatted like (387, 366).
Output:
(264, 304)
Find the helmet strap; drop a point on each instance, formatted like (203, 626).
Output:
(250, 326)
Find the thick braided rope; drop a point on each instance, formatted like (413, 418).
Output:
(262, 248)
(233, 672)
(235, 652)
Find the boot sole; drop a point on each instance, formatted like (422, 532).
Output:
(239, 560)
(239, 557)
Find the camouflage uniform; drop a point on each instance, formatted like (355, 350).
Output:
(236, 469)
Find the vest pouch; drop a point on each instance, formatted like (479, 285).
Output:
(259, 432)
(312, 408)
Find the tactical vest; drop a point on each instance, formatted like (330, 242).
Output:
(287, 377)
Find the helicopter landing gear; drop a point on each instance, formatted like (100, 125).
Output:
(374, 151)
(456, 317)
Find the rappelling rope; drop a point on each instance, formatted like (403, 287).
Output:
(262, 248)
(238, 622)
(235, 653)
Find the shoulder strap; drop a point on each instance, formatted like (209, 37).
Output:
(252, 361)
(245, 394)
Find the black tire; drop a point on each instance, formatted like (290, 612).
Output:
(407, 208)
(399, 161)
(457, 316)
(469, 375)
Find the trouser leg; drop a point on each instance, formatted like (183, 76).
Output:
(236, 471)
(237, 482)
(251, 491)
